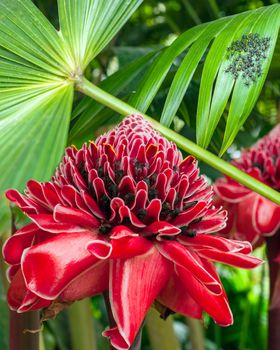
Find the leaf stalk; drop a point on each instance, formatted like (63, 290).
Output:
(101, 96)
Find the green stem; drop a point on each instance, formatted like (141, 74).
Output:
(81, 326)
(123, 108)
(196, 334)
(41, 342)
(161, 332)
(218, 336)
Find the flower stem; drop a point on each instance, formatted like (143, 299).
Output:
(24, 330)
(196, 334)
(81, 326)
(161, 332)
(101, 96)
(273, 249)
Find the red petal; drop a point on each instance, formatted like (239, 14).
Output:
(216, 242)
(11, 271)
(17, 291)
(116, 338)
(233, 259)
(109, 150)
(153, 211)
(94, 281)
(267, 216)
(188, 165)
(15, 245)
(213, 221)
(189, 215)
(181, 256)
(121, 231)
(134, 284)
(125, 212)
(215, 305)
(245, 223)
(32, 302)
(175, 296)
(161, 229)
(126, 185)
(129, 246)
(140, 200)
(27, 205)
(231, 191)
(151, 150)
(50, 266)
(75, 216)
(68, 193)
(20, 298)
(92, 205)
(46, 222)
(100, 249)
(35, 191)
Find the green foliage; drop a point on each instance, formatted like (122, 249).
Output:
(170, 58)
(216, 86)
(38, 66)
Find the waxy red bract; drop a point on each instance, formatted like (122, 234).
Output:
(251, 216)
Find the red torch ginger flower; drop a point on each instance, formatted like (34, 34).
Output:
(251, 216)
(125, 214)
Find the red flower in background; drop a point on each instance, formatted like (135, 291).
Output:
(251, 216)
(125, 214)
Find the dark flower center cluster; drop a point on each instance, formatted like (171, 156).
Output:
(135, 177)
(246, 57)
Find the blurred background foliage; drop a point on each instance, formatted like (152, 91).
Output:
(153, 26)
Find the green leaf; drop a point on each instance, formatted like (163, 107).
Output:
(35, 97)
(154, 77)
(210, 40)
(267, 25)
(87, 26)
(208, 114)
(38, 66)
(186, 70)
(27, 37)
(33, 132)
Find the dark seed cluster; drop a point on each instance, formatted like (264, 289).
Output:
(246, 57)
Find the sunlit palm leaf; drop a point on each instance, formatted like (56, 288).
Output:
(26, 33)
(38, 66)
(88, 26)
(35, 98)
(33, 133)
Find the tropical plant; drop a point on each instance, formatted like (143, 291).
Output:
(49, 97)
